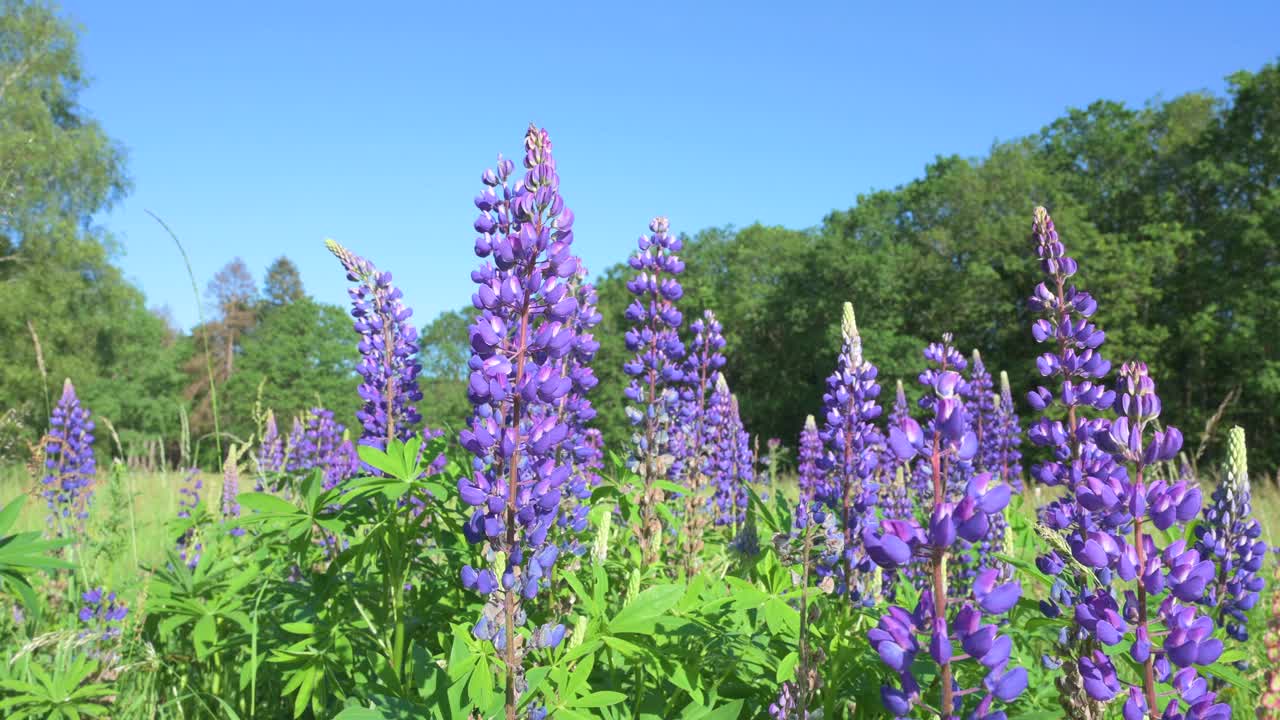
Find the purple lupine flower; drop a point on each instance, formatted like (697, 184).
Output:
(853, 446)
(1229, 535)
(101, 618)
(579, 450)
(691, 434)
(69, 464)
(1106, 462)
(695, 434)
(519, 341)
(902, 635)
(983, 407)
(744, 462)
(319, 444)
(189, 545)
(980, 404)
(655, 370)
(270, 453)
(1008, 436)
(811, 473)
(722, 460)
(786, 707)
(341, 465)
(231, 491)
(388, 347)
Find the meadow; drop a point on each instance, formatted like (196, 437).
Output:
(944, 557)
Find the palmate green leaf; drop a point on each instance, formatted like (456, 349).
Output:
(781, 617)
(643, 612)
(270, 506)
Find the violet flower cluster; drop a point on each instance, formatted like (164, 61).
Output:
(730, 465)
(101, 619)
(694, 437)
(853, 446)
(189, 546)
(901, 635)
(388, 348)
(270, 453)
(319, 443)
(1101, 528)
(1229, 535)
(580, 448)
(69, 464)
(655, 369)
(520, 341)
(1007, 459)
(692, 434)
(231, 492)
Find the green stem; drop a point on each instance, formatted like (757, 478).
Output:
(208, 354)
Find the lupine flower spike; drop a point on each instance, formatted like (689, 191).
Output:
(1102, 527)
(1230, 536)
(696, 431)
(902, 634)
(230, 491)
(853, 446)
(69, 464)
(520, 339)
(388, 346)
(655, 370)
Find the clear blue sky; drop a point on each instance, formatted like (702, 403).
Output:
(260, 128)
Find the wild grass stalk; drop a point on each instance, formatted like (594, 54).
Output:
(208, 354)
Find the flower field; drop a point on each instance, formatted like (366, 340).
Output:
(948, 557)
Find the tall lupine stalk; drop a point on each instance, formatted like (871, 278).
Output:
(895, 542)
(1008, 459)
(388, 347)
(1175, 569)
(519, 341)
(231, 491)
(980, 403)
(744, 465)
(578, 450)
(270, 456)
(897, 492)
(69, 464)
(655, 370)
(1102, 528)
(983, 407)
(853, 446)
(1229, 535)
(189, 545)
(697, 430)
(1075, 363)
(810, 526)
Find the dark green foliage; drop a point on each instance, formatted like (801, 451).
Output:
(302, 354)
(445, 351)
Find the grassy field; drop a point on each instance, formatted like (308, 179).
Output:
(124, 536)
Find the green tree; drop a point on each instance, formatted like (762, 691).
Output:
(302, 355)
(65, 310)
(282, 283)
(444, 351)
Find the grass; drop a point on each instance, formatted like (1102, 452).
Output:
(123, 543)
